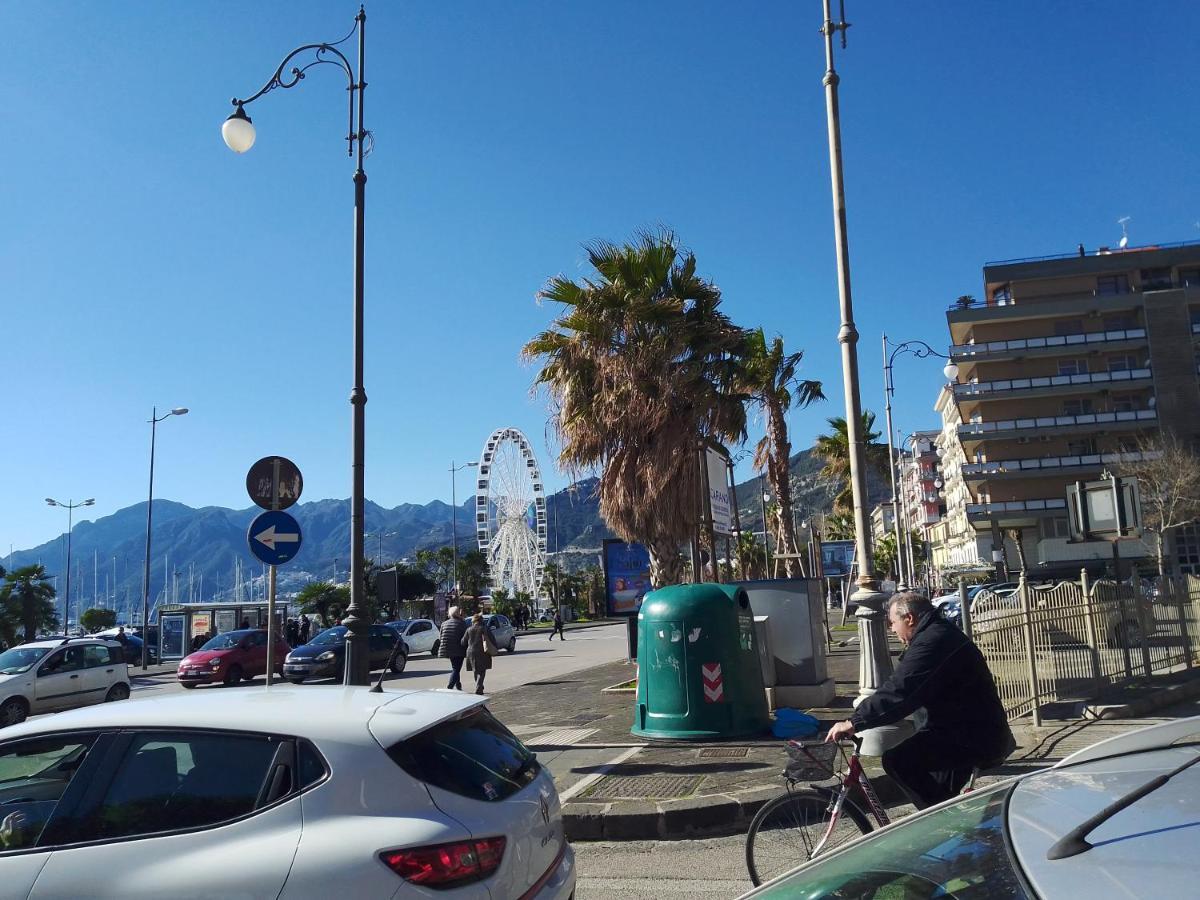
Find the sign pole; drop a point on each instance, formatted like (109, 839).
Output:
(271, 626)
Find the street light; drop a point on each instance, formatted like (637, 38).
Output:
(70, 507)
(238, 133)
(379, 554)
(155, 418)
(920, 350)
(453, 522)
(765, 498)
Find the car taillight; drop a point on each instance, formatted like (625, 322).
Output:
(447, 865)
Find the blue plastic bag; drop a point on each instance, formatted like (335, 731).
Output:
(791, 723)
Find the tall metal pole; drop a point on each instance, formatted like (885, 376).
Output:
(454, 527)
(888, 390)
(67, 599)
(358, 666)
(146, 571)
(875, 663)
(762, 499)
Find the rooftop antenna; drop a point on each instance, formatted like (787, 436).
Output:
(1124, 242)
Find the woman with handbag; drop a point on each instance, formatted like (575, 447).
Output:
(480, 646)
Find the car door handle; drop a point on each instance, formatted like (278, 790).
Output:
(74, 676)
(110, 671)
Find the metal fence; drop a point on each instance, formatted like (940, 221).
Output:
(1071, 641)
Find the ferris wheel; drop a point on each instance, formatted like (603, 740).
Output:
(510, 512)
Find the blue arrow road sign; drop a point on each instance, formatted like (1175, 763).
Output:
(274, 537)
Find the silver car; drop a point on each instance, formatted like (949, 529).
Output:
(503, 632)
(1115, 820)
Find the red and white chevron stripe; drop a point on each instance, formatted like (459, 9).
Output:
(714, 686)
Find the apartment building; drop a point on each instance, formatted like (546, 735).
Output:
(1063, 364)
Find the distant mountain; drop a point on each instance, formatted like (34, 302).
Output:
(203, 552)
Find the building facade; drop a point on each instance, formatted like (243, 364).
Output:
(1065, 365)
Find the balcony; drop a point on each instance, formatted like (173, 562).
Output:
(1049, 384)
(1050, 465)
(1017, 508)
(1004, 428)
(1047, 346)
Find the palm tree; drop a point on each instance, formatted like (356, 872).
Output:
(321, 598)
(834, 449)
(768, 377)
(27, 599)
(640, 366)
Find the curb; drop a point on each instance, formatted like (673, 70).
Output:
(1164, 696)
(713, 815)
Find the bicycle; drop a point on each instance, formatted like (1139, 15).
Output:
(798, 825)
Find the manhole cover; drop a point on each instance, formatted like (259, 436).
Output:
(644, 787)
(724, 752)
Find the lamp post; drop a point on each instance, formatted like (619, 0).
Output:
(70, 507)
(238, 133)
(920, 350)
(763, 497)
(875, 663)
(155, 418)
(454, 520)
(379, 552)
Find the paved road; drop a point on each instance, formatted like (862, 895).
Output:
(537, 658)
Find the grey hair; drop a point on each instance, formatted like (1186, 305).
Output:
(910, 602)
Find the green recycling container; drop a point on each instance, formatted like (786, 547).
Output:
(698, 672)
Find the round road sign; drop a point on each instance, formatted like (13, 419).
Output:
(274, 537)
(274, 482)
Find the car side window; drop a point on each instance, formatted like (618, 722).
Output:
(312, 766)
(115, 655)
(422, 626)
(97, 656)
(34, 774)
(69, 659)
(171, 781)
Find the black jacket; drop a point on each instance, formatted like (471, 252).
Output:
(943, 671)
(450, 638)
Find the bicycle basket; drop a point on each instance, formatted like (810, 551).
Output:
(813, 761)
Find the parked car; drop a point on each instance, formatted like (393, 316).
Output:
(48, 676)
(133, 647)
(1020, 838)
(503, 632)
(230, 657)
(325, 655)
(297, 793)
(419, 635)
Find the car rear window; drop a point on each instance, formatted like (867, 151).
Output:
(474, 756)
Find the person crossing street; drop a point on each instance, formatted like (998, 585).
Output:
(450, 646)
(557, 627)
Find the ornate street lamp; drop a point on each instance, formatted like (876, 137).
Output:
(238, 133)
(155, 418)
(70, 507)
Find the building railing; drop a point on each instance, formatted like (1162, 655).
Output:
(1011, 466)
(1102, 251)
(974, 388)
(960, 351)
(969, 429)
(1072, 641)
(1015, 506)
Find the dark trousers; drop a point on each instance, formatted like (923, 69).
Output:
(930, 767)
(480, 674)
(456, 664)
(558, 629)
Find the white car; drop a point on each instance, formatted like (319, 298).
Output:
(419, 635)
(48, 676)
(280, 792)
(1117, 819)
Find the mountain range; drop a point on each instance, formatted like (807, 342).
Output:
(203, 552)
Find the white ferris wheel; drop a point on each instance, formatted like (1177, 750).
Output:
(510, 512)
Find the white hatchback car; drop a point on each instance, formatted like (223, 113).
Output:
(281, 792)
(48, 676)
(419, 635)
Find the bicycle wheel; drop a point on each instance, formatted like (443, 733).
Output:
(786, 831)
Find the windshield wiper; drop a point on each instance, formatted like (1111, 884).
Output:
(1074, 841)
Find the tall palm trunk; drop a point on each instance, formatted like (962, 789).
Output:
(781, 484)
(666, 565)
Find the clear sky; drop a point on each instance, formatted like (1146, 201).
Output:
(143, 263)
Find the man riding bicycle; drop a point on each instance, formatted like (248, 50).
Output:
(944, 672)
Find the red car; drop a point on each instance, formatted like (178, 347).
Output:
(230, 657)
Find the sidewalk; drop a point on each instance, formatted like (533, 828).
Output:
(617, 787)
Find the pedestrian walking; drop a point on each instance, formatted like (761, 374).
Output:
(305, 629)
(450, 646)
(480, 646)
(293, 632)
(558, 626)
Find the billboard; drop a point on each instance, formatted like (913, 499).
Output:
(626, 577)
(837, 557)
(720, 507)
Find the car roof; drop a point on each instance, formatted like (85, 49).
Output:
(51, 643)
(319, 712)
(1134, 852)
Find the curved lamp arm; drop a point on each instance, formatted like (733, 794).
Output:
(920, 350)
(321, 54)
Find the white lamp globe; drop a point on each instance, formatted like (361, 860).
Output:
(238, 131)
(950, 371)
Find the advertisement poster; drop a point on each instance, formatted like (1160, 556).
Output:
(626, 577)
(200, 624)
(226, 620)
(718, 492)
(836, 558)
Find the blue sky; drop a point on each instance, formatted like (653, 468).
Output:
(145, 264)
